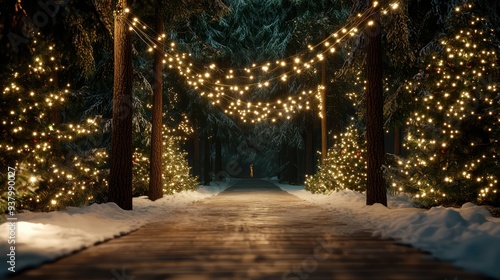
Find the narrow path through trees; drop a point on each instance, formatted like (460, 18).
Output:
(253, 230)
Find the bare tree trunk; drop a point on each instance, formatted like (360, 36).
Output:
(376, 189)
(309, 155)
(324, 135)
(120, 177)
(206, 160)
(292, 167)
(218, 161)
(284, 162)
(397, 141)
(156, 168)
(196, 153)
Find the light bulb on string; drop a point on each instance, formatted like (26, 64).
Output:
(350, 29)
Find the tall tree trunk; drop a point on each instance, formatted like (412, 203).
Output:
(155, 168)
(196, 153)
(218, 161)
(207, 170)
(309, 154)
(397, 141)
(120, 177)
(284, 163)
(324, 135)
(376, 189)
(292, 167)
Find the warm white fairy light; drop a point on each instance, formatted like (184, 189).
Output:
(176, 171)
(220, 87)
(469, 63)
(345, 166)
(36, 147)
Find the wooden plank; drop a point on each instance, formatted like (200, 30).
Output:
(249, 232)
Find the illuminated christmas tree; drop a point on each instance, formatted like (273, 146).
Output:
(38, 143)
(176, 171)
(345, 165)
(452, 139)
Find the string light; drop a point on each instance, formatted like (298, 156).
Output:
(432, 171)
(34, 140)
(223, 86)
(345, 166)
(451, 108)
(176, 171)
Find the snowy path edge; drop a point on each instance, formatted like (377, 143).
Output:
(48, 236)
(468, 237)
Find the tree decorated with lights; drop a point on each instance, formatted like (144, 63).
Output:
(345, 165)
(59, 163)
(175, 174)
(453, 137)
(52, 158)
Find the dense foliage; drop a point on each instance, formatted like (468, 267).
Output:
(55, 114)
(176, 171)
(452, 128)
(345, 165)
(452, 137)
(53, 158)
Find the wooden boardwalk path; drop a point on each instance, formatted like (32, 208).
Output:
(253, 230)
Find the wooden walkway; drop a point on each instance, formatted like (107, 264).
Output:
(253, 230)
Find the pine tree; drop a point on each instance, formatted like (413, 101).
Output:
(176, 175)
(453, 136)
(345, 165)
(54, 162)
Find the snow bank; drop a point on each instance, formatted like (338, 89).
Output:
(43, 237)
(468, 237)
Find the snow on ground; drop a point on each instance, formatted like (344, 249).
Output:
(43, 237)
(469, 236)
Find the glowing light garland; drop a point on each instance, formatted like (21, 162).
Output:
(451, 91)
(223, 87)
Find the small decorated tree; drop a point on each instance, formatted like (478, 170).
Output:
(176, 171)
(345, 165)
